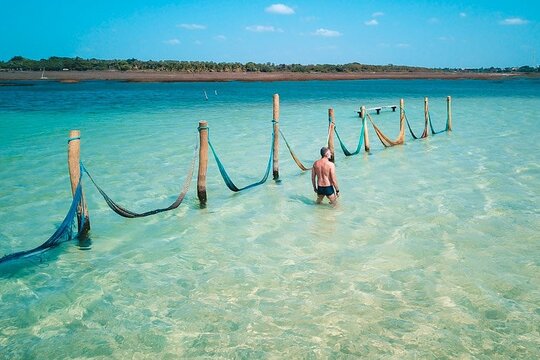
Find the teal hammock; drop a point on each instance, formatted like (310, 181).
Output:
(409, 126)
(226, 176)
(360, 141)
(431, 126)
(433, 132)
(62, 234)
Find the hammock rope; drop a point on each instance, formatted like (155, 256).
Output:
(122, 211)
(424, 133)
(385, 140)
(295, 158)
(65, 231)
(227, 179)
(360, 141)
(62, 234)
(433, 132)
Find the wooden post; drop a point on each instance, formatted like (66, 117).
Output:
(74, 158)
(331, 125)
(366, 135)
(203, 162)
(449, 113)
(275, 161)
(402, 121)
(426, 118)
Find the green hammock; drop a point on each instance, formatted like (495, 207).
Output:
(431, 126)
(226, 176)
(360, 141)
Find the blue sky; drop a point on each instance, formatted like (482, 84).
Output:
(419, 33)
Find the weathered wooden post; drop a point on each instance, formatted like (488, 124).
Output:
(401, 121)
(366, 135)
(203, 162)
(331, 126)
(275, 121)
(426, 118)
(449, 113)
(74, 159)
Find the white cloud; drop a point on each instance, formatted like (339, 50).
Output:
(220, 38)
(279, 9)
(327, 33)
(172, 42)
(403, 46)
(192, 26)
(462, 14)
(263, 28)
(514, 21)
(198, 42)
(376, 14)
(372, 22)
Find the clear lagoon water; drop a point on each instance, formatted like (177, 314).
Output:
(433, 251)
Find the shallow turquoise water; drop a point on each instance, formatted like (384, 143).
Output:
(433, 251)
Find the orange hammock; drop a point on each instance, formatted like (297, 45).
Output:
(385, 140)
(295, 158)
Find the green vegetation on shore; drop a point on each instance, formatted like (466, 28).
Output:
(55, 63)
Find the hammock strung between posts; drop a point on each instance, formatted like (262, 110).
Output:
(226, 176)
(431, 126)
(385, 140)
(424, 133)
(122, 211)
(360, 141)
(295, 158)
(62, 234)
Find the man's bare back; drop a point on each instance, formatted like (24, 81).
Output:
(323, 177)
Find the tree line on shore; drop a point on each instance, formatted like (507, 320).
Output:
(54, 63)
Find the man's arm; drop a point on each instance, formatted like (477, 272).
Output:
(333, 178)
(313, 178)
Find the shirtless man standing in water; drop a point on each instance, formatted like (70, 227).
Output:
(323, 178)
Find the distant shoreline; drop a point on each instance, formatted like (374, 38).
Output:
(162, 76)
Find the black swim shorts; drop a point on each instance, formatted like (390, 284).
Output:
(325, 190)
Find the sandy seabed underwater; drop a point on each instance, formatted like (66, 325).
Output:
(433, 251)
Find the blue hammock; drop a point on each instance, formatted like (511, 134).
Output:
(62, 234)
(360, 141)
(431, 126)
(226, 176)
